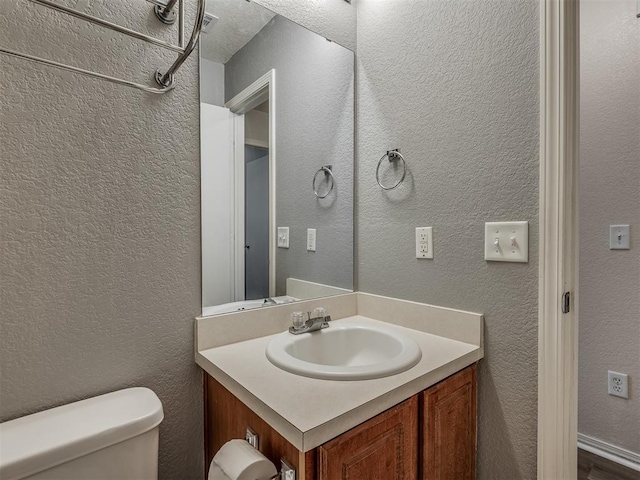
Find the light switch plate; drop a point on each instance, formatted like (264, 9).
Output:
(311, 239)
(283, 237)
(424, 242)
(619, 237)
(506, 241)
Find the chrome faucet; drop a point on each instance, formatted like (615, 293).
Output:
(316, 321)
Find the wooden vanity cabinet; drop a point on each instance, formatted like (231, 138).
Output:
(226, 418)
(430, 436)
(384, 447)
(448, 447)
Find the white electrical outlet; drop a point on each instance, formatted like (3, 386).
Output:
(618, 384)
(311, 239)
(283, 237)
(424, 242)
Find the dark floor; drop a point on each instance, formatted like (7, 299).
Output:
(593, 467)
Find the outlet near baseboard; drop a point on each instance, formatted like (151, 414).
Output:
(618, 384)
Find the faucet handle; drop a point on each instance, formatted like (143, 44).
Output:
(297, 320)
(317, 320)
(319, 312)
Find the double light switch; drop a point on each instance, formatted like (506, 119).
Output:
(506, 241)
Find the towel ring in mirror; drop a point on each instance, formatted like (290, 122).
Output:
(327, 172)
(392, 155)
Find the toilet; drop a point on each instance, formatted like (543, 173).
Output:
(109, 437)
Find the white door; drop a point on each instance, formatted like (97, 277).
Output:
(217, 199)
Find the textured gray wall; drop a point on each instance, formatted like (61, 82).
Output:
(609, 194)
(314, 122)
(455, 86)
(211, 82)
(100, 222)
(335, 19)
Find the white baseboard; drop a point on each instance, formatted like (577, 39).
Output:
(606, 450)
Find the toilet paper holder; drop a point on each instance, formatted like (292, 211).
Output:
(287, 472)
(237, 459)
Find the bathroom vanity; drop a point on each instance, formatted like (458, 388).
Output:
(431, 435)
(417, 423)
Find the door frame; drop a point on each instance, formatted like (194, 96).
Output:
(264, 88)
(558, 260)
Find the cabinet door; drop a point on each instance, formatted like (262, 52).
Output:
(449, 428)
(383, 448)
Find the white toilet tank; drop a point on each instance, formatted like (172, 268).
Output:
(110, 437)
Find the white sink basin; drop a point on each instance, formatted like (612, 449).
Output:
(347, 350)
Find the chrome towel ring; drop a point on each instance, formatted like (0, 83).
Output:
(393, 156)
(327, 172)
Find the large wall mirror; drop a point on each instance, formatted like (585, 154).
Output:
(277, 160)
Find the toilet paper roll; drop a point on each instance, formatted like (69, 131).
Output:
(237, 460)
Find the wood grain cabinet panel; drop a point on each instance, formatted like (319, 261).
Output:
(227, 418)
(431, 436)
(449, 428)
(384, 447)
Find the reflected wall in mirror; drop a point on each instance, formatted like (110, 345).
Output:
(277, 160)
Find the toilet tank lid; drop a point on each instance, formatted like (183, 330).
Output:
(34, 443)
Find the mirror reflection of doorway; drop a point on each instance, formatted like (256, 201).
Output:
(256, 215)
(256, 202)
(238, 155)
(256, 227)
(254, 158)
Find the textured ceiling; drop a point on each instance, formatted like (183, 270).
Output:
(239, 21)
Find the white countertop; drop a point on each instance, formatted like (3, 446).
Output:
(308, 412)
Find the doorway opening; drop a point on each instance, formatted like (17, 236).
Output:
(238, 170)
(609, 258)
(560, 200)
(256, 202)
